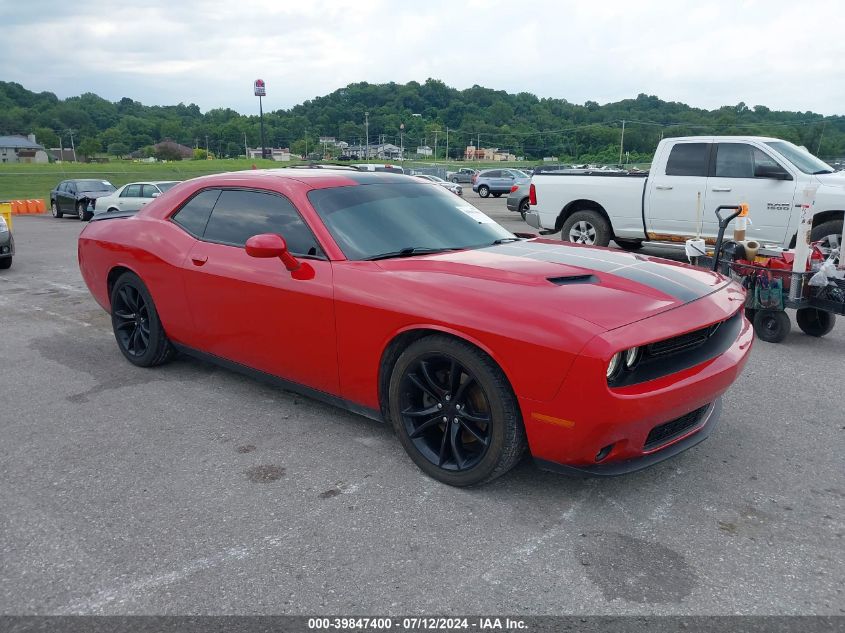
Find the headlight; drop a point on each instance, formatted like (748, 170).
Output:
(613, 365)
(4, 228)
(631, 357)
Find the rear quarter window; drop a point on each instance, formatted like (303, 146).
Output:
(193, 216)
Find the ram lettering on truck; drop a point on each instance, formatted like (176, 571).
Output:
(690, 177)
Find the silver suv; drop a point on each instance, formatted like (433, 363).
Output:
(498, 181)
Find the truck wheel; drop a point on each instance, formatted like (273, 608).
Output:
(772, 326)
(815, 322)
(829, 234)
(54, 209)
(484, 191)
(628, 245)
(586, 227)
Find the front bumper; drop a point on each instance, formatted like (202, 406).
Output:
(7, 244)
(592, 428)
(533, 219)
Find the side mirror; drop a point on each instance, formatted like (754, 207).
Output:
(156, 194)
(771, 171)
(271, 245)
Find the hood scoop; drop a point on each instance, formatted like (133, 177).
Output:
(573, 279)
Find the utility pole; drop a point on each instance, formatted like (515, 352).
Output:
(246, 148)
(436, 132)
(72, 146)
(367, 133)
(402, 141)
(622, 141)
(447, 142)
(206, 145)
(478, 147)
(306, 143)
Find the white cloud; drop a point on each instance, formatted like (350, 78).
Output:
(779, 53)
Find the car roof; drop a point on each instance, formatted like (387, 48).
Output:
(313, 178)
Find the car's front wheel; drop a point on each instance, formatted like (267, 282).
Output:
(136, 324)
(82, 212)
(484, 191)
(54, 209)
(455, 412)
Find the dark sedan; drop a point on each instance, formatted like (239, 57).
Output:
(78, 197)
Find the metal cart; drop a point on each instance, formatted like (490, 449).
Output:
(770, 291)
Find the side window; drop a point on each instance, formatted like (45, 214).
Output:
(132, 191)
(762, 158)
(62, 187)
(238, 215)
(734, 160)
(493, 174)
(147, 191)
(688, 159)
(70, 188)
(194, 215)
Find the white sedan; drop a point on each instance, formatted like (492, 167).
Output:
(453, 187)
(132, 196)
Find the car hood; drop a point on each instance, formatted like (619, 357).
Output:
(94, 194)
(836, 179)
(605, 287)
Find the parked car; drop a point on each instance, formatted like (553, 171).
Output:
(449, 186)
(78, 197)
(498, 181)
(388, 297)
(133, 196)
(395, 169)
(7, 244)
(518, 199)
(464, 174)
(690, 177)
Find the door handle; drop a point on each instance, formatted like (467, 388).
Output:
(663, 187)
(721, 189)
(199, 260)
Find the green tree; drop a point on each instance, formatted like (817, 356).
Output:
(118, 149)
(89, 147)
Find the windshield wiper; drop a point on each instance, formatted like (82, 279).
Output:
(822, 171)
(408, 251)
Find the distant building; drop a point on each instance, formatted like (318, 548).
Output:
(384, 151)
(22, 149)
(487, 154)
(281, 154)
(66, 154)
(424, 150)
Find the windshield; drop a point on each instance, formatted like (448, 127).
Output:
(164, 186)
(801, 158)
(371, 220)
(94, 185)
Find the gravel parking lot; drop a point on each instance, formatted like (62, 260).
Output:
(191, 489)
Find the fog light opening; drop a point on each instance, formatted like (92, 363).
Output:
(603, 453)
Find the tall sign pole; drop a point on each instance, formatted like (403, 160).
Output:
(261, 91)
(367, 132)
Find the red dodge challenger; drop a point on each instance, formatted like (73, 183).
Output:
(400, 301)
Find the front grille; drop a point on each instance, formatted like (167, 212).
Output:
(682, 342)
(668, 431)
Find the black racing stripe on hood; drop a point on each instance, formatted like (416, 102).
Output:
(662, 277)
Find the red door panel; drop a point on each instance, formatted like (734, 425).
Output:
(256, 313)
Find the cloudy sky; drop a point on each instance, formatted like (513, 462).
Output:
(787, 55)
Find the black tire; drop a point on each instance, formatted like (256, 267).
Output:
(497, 195)
(112, 210)
(54, 209)
(590, 226)
(136, 325)
(749, 314)
(437, 378)
(830, 233)
(815, 322)
(5, 263)
(524, 207)
(484, 191)
(455, 180)
(772, 326)
(84, 215)
(628, 245)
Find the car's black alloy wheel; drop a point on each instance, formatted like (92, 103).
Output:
(454, 412)
(137, 328)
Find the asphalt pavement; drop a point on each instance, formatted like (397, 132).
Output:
(189, 489)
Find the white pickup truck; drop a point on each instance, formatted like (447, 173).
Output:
(689, 178)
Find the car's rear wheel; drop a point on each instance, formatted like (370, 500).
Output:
(586, 227)
(136, 324)
(54, 209)
(484, 191)
(455, 412)
(112, 210)
(455, 180)
(524, 207)
(815, 322)
(772, 326)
